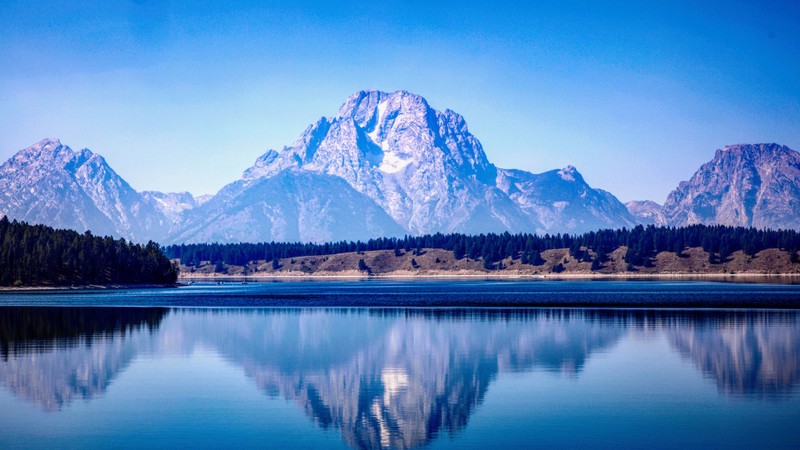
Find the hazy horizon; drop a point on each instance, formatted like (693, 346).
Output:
(185, 97)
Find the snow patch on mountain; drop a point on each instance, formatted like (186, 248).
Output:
(385, 164)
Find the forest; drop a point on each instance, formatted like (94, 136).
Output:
(38, 255)
(642, 243)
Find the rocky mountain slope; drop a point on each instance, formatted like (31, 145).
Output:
(646, 212)
(561, 201)
(743, 185)
(423, 168)
(51, 184)
(292, 206)
(387, 164)
(173, 204)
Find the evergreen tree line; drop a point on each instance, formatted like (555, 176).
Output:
(643, 243)
(32, 255)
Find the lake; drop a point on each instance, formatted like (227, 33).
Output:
(403, 364)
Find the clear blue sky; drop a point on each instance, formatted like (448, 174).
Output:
(186, 95)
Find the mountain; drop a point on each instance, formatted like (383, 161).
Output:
(386, 164)
(291, 206)
(173, 204)
(427, 172)
(421, 166)
(51, 184)
(743, 185)
(561, 201)
(646, 212)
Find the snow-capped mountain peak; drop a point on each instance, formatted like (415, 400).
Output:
(420, 165)
(385, 164)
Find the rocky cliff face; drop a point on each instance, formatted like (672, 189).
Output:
(430, 174)
(421, 166)
(743, 185)
(49, 183)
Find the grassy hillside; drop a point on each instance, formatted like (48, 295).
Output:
(436, 262)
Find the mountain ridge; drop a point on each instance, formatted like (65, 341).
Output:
(386, 164)
(52, 184)
(428, 172)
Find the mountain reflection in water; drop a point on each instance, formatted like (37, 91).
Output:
(382, 377)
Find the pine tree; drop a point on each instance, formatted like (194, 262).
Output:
(536, 258)
(524, 257)
(458, 250)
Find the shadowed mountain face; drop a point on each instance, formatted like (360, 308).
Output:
(382, 378)
(290, 207)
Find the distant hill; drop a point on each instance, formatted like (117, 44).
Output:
(37, 255)
(554, 263)
(696, 249)
(646, 212)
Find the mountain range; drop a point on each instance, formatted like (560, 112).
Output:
(387, 164)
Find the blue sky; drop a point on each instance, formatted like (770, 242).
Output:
(186, 95)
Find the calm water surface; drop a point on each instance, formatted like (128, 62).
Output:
(398, 365)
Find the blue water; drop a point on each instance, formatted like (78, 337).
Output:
(402, 365)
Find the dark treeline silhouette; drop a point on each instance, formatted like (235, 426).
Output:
(28, 329)
(642, 243)
(35, 255)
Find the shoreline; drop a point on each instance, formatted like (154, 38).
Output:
(511, 276)
(87, 287)
(768, 278)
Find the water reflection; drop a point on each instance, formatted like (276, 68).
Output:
(383, 377)
(51, 356)
(405, 377)
(746, 354)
